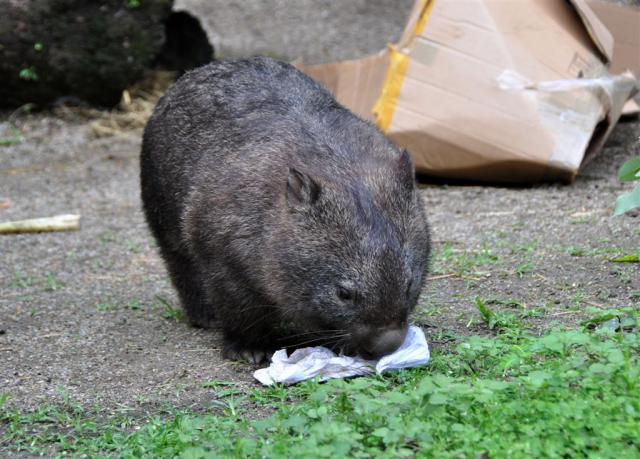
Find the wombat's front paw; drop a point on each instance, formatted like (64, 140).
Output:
(235, 351)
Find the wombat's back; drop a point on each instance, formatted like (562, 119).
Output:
(233, 123)
(223, 112)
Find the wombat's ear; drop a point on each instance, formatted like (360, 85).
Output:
(405, 169)
(301, 189)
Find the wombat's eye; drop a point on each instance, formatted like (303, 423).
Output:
(345, 294)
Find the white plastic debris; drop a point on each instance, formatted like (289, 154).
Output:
(310, 362)
(510, 80)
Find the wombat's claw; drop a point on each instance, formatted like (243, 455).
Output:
(253, 356)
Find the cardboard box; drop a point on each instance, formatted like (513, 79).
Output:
(623, 21)
(507, 91)
(624, 24)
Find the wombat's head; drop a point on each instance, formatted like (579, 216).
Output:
(352, 256)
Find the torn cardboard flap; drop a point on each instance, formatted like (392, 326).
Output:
(598, 32)
(355, 83)
(624, 23)
(442, 93)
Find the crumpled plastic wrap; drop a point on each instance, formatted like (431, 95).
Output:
(310, 362)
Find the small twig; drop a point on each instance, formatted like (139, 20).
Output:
(564, 313)
(441, 276)
(496, 214)
(50, 335)
(471, 278)
(40, 225)
(6, 349)
(597, 305)
(588, 213)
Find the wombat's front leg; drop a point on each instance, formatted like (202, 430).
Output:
(186, 280)
(235, 351)
(247, 320)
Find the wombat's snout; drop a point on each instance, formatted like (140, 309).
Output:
(374, 343)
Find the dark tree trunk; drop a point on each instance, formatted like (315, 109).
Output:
(90, 50)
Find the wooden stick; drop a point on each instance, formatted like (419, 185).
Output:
(41, 225)
(441, 276)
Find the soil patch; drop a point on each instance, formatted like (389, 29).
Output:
(91, 315)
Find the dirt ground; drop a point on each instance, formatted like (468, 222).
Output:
(83, 314)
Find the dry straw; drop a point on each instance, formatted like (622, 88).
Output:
(131, 113)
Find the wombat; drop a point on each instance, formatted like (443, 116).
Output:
(281, 214)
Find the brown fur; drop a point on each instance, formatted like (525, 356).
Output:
(280, 213)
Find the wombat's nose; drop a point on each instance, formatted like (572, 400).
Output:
(376, 343)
